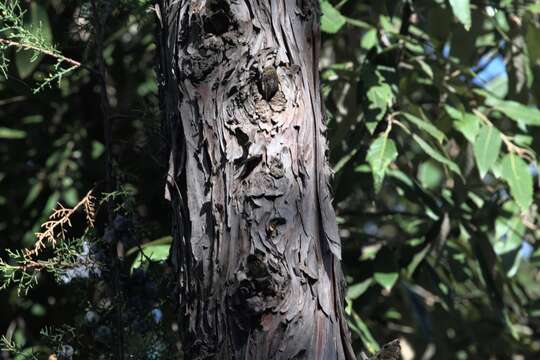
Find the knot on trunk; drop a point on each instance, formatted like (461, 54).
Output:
(261, 287)
(207, 35)
(268, 184)
(268, 83)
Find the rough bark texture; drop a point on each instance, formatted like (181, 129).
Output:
(256, 249)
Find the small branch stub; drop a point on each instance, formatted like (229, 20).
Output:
(269, 83)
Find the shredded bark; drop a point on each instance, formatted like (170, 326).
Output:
(256, 250)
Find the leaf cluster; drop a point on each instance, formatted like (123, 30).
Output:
(434, 130)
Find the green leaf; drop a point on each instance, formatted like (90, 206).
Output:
(523, 140)
(166, 240)
(487, 147)
(380, 97)
(386, 280)
(344, 161)
(466, 123)
(156, 250)
(34, 192)
(518, 112)
(331, 20)
(513, 329)
(7, 133)
(416, 260)
(32, 119)
(381, 154)
(532, 39)
(430, 174)
(388, 25)
(360, 327)
(469, 126)
(354, 291)
(516, 173)
(534, 8)
(498, 86)
(38, 310)
(153, 253)
(425, 67)
(26, 61)
(97, 149)
(369, 39)
(428, 149)
(426, 126)
(509, 234)
(462, 10)
(378, 85)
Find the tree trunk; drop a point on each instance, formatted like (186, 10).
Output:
(256, 245)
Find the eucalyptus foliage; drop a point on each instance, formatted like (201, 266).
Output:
(433, 118)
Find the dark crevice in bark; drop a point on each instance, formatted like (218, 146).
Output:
(256, 247)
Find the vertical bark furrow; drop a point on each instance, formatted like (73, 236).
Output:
(256, 244)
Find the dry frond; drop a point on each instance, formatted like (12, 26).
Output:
(59, 221)
(90, 209)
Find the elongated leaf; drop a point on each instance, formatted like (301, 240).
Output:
(153, 253)
(426, 126)
(518, 112)
(416, 260)
(331, 20)
(516, 173)
(462, 10)
(354, 291)
(428, 149)
(425, 67)
(487, 148)
(381, 154)
(533, 42)
(362, 330)
(7, 133)
(34, 192)
(166, 240)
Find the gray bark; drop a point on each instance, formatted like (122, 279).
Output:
(256, 245)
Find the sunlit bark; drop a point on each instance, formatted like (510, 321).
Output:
(257, 251)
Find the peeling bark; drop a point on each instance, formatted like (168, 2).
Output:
(256, 245)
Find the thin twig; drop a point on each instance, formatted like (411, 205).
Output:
(510, 146)
(41, 50)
